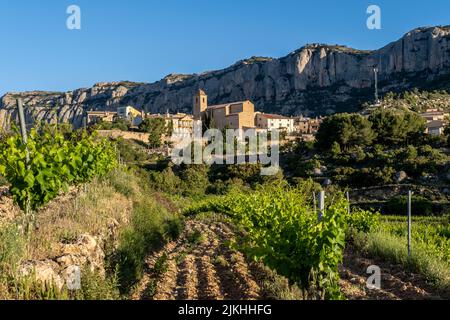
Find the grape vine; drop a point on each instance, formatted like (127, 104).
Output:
(56, 161)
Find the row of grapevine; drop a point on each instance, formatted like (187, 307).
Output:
(56, 160)
(282, 230)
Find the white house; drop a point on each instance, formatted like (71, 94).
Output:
(274, 121)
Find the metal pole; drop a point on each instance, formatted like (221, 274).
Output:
(28, 220)
(409, 223)
(321, 204)
(23, 128)
(375, 70)
(314, 203)
(348, 202)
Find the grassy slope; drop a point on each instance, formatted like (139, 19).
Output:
(121, 196)
(429, 253)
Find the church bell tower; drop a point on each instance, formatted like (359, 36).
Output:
(200, 104)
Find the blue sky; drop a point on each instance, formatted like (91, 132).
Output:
(144, 40)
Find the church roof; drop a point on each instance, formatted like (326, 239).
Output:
(218, 106)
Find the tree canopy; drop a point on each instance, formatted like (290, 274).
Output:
(396, 126)
(346, 130)
(156, 127)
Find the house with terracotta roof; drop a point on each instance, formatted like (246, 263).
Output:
(274, 121)
(233, 115)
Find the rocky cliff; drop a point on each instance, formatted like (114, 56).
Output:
(316, 79)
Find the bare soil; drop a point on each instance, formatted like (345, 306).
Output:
(396, 282)
(201, 266)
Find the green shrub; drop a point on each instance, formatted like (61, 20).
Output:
(130, 152)
(166, 181)
(419, 206)
(284, 232)
(363, 221)
(194, 180)
(151, 226)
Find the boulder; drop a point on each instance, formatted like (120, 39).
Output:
(400, 176)
(317, 172)
(45, 271)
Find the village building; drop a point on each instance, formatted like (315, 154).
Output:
(314, 125)
(99, 116)
(131, 114)
(274, 121)
(435, 127)
(182, 124)
(434, 115)
(436, 121)
(303, 125)
(234, 115)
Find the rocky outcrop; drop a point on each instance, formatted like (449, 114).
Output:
(316, 79)
(86, 253)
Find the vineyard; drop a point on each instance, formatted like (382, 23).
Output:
(283, 230)
(180, 234)
(50, 162)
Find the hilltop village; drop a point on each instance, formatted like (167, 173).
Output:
(232, 115)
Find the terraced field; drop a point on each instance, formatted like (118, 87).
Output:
(200, 265)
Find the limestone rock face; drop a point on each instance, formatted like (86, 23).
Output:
(314, 80)
(86, 252)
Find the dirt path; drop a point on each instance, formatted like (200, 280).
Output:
(199, 265)
(396, 283)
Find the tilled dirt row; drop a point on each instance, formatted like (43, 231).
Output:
(396, 283)
(199, 265)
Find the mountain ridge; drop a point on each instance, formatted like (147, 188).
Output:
(316, 79)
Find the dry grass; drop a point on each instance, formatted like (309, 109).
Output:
(89, 209)
(82, 211)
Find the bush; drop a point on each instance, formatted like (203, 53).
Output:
(419, 206)
(194, 180)
(130, 152)
(363, 221)
(165, 181)
(151, 226)
(283, 231)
